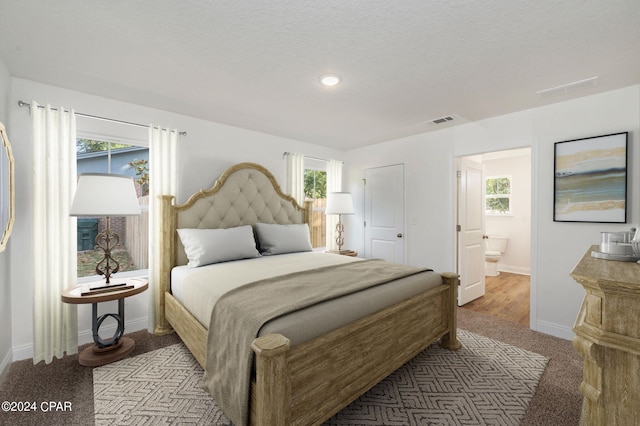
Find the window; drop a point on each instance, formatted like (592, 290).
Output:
(95, 156)
(315, 189)
(498, 195)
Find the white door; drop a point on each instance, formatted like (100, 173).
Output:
(384, 213)
(470, 230)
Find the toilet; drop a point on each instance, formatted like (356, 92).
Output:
(495, 246)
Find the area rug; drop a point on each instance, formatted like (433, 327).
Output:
(485, 382)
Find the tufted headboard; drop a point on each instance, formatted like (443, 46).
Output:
(245, 194)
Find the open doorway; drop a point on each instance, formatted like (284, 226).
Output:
(507, 235)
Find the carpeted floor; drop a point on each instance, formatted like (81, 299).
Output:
(557, 399)
(486, 381)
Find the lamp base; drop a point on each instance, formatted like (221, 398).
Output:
(104, 286)
(106, 289)
(106, 241)
(351, 253)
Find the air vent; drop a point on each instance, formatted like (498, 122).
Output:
(565, 89)
(441, 120)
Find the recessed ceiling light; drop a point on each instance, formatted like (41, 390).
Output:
(330, 79)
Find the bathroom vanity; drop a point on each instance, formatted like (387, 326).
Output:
(608, 340)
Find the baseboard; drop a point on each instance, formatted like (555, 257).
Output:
(22, 352)
(5, 365)
(556, 330)
(520, 270)
(85, 336)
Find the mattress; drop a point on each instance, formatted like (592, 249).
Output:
(197, 289)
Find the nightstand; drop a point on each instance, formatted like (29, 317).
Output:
(104, 351)
(343, 252)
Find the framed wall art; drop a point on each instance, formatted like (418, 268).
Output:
(590, 179)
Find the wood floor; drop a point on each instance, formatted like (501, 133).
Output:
(506, 296)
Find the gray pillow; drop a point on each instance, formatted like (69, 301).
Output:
(280, 239)
(207, 246)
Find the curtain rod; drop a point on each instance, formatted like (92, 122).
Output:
(95, 117)
(284, 154)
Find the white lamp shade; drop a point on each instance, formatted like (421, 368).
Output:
(101, 194)
(339, 203)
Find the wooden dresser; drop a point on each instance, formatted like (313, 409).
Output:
(608, 340)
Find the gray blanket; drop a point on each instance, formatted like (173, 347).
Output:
(238, 316)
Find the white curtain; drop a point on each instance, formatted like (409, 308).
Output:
(295, 176)
(163, 150)
(54, 251)
(334, 184)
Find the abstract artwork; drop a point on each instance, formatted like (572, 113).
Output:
(590, 179)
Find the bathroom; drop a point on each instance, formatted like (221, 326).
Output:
(499, 286)
(516, 223)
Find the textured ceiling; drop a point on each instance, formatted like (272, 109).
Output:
(256, 64)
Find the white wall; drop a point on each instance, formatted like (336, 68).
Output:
(555, 247)
(207, 150)
(5, 256)
(561, 245)
(516, 225)
(429, 216)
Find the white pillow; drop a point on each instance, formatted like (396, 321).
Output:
(206, 246)
(279, 239)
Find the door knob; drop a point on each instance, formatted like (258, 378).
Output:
(399, 235)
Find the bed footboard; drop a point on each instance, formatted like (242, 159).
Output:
(309, 383)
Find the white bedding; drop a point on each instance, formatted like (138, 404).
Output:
(199, 288)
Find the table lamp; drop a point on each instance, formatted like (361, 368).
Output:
(105, 195)
(339, 203)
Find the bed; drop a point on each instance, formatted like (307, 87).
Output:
(293, 379)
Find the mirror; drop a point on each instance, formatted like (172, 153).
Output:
(7, 185)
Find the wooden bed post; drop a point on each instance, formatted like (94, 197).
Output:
(450, 340)
(272, 403)
(167, 260)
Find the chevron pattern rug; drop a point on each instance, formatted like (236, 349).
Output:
(485, 382)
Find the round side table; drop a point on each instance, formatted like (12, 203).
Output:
(104, 351)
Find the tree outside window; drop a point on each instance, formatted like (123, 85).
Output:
(498, 195)
(84, 146)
